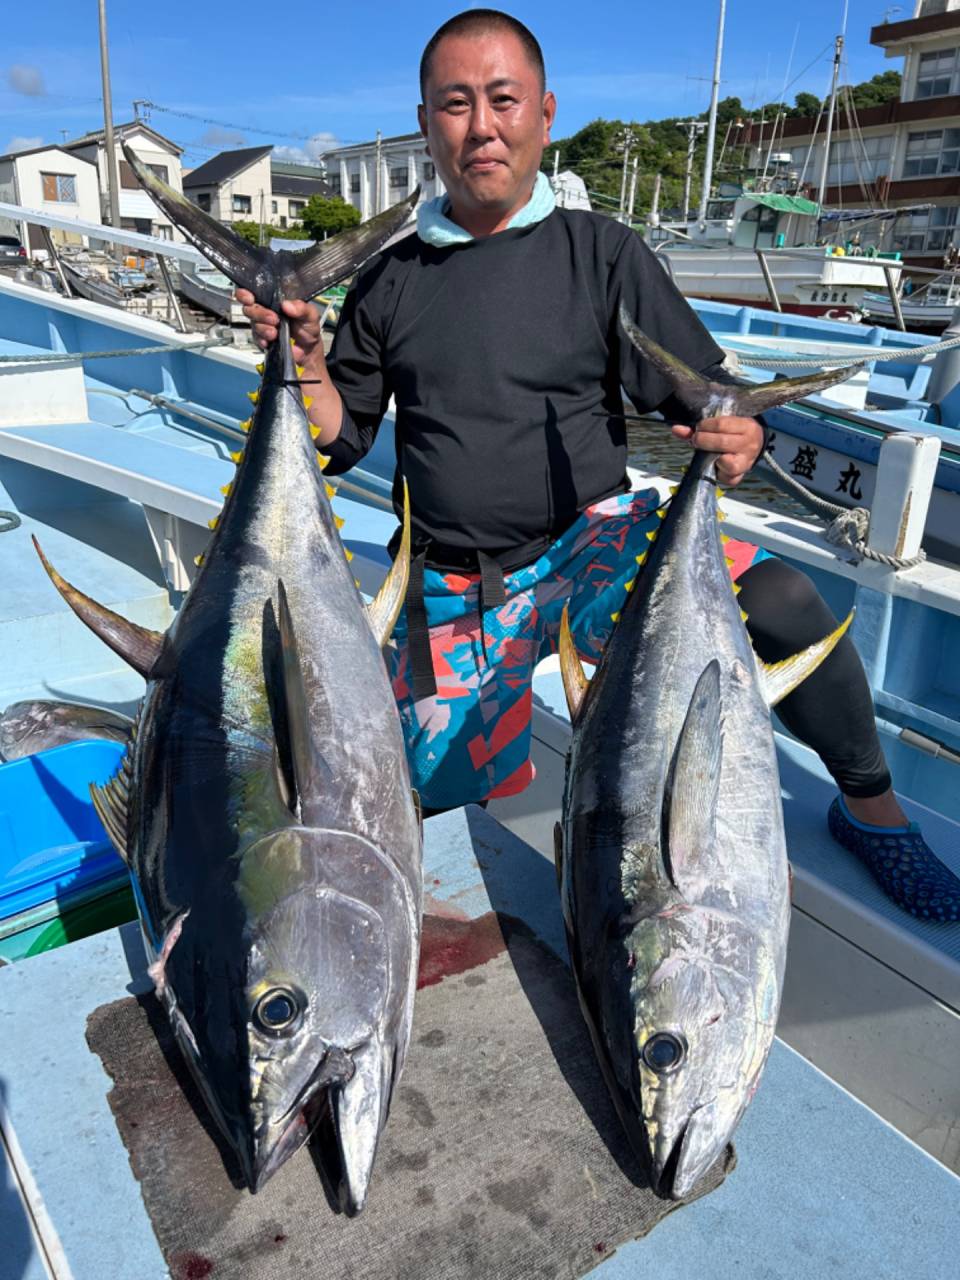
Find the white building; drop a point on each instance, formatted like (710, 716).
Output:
(372, 176)
(52, 180)
(905, 152)
(235, 186)
(137, 211)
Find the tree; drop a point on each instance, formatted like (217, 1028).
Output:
(321, 215)
(873, 93)
(251, 231)
(806, 104)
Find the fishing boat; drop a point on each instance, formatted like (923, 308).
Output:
(928, 309)
(115, 441)
(208, 289)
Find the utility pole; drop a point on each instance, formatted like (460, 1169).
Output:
(837, 55)
(378, 179)
(712, 118)
(694, 129)
(625, 140)
(653, 218)
(110, 151)
(556, 164)
(633, 190)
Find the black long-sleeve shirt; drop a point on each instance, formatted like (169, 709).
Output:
(507, 363)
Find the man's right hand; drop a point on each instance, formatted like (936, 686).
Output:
(304, 321)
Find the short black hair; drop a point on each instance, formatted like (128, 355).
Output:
(478, 22)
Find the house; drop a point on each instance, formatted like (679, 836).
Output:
(137, 211)
(905, 152)
(234, 186)
(372, 176)
(53, 180)
(292, 185)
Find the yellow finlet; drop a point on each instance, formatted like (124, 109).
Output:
(323, 461)
(237, 457)
(661, 512)
(615, 617)
(314, 430)
(720, 492)
(245, 425)
(356, 583)
(628, 586)
(261, 368)
(198, 560)
(307, 401)
(348, 553)
(300, 370)
(331, 491)
(253, 397)
(737, 588)
(674, 488)
(339, 521)
(651, 535)
(225, 489)
(642, 558)
(721, 515)
(212, 524)
(743, 615)
(724, 538)
(728, 562)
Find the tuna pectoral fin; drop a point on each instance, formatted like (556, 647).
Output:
(298, 756)
(698, 392)
(693, 781)
(780, 678)
(382, 612)
(575, 682)
(136, 645)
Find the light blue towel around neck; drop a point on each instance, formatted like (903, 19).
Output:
(434, 227)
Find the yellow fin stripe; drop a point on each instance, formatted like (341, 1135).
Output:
(253, 397)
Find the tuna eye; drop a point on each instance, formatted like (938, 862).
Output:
(277, 1011)
(664, 1052)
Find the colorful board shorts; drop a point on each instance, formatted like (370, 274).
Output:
(471, 740)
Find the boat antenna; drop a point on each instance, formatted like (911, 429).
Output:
(712, 118)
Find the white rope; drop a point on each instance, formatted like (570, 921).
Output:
(62, 357)
(870, 354)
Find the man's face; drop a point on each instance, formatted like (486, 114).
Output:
(486, 122)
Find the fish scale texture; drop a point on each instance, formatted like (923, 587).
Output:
(502, 1158)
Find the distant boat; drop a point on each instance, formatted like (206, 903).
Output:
(929, 310)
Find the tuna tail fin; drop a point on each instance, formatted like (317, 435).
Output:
(780, 678)
(270, 276)
(693, 782)
(383, 611)
(699, 393)
(138, 646)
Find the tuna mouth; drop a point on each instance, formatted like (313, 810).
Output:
(666, 1176)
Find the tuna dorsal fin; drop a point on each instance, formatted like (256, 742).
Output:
(382, 612)
(575, 682)
(138, 646)
(298, 749)
(780, 678)
(271, 275)
(693, 781)
(698, 392)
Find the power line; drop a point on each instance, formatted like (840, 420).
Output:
(241, 128)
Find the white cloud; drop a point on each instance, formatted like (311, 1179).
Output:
(216, 136)
(311, 151)
(23, 144)
(26, 80)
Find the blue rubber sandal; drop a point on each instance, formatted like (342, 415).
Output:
(902, 863)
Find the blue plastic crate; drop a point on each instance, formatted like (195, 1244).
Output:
(52, 843)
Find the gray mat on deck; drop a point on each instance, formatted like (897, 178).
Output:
(503, 1156)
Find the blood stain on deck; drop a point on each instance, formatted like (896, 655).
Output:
(452, 944)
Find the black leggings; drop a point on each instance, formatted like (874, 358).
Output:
(832, 711)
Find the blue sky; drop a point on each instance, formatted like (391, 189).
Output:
(341, 72)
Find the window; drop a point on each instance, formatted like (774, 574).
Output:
(938, 73)
(202, 201)
(935, 151)
(128, 179)
(159, 171)
(333, 182)
(164, 231)
(720, 210)
(856, 160)
(926, 231)
(59, 187)
(273, 206)
(429, 170)
(296, 207)
(242, 204)
(355, 184)
(399, 177)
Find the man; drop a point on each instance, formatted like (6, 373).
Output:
(495, 330)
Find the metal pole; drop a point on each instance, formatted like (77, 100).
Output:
(768, 279)
(110, 157)
(691, 144)
(712, 118)
(55, 259)
(838, 51)
(556, 163)
(633, 190)
(894, 297)
(378, 183)
(627, 139)
(171, 293)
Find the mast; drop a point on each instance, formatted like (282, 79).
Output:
(712, 119)
(837, 55)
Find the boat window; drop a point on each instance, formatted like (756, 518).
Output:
(720, 210)
(757, 229)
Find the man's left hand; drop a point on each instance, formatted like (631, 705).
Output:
(739, 441)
